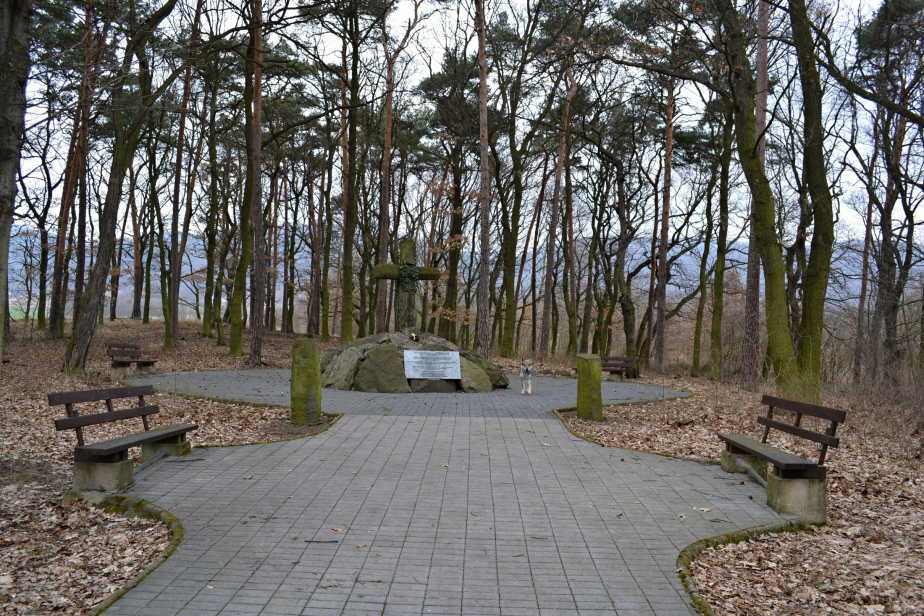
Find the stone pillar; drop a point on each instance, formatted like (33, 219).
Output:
(306, 382)
(589, 395)
(406, 292)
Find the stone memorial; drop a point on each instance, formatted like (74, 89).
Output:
(378, 364)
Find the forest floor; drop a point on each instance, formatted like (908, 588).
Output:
(64, 559)
(869, 559)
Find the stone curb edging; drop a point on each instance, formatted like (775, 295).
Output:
(692, 551)
(119, 503)
(336, 417)
(688, 555)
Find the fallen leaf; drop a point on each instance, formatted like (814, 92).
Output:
(248, 477)
(336, 529)
(293, 536)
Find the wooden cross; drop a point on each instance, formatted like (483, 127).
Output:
(408, 274)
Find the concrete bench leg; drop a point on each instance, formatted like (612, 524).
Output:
(178, 448)
(730, 463)
(104, 476)
(117, 373)
(806, 498)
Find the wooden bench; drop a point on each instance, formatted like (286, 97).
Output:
(105, 465)
(123, 355)
(797, 485)
(621, 365)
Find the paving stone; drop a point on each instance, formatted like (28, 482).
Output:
(463, 503)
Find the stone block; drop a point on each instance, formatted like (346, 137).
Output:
(306, 382)
(149, 450)
(474, 379)
(730, 463)
(432, 386)
(382, 371)
(806, 498)
(495, 374)
(104, 476)
(341, 372)
(589, 395)
(117, 373)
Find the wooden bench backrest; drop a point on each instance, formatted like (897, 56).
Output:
(131, 353)
(75, 421)
(799, 409)
(123, 345)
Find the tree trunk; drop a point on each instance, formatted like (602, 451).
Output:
(556, 209)
(665, 226)
(236, 338)
(860, 342)
(117, 265)
(58, 288)
(137, 253)
(716, 345)
(751, 359)
(449, 311)
(258, 280)
(211, 223)
(351, 202)
(14, 58)
(815, 284)
(176, 259)
(146, 318)
(484, 323)
(780, 349)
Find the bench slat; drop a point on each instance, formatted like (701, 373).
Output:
(115, 445)
(123, 345)
(123, 353)
(69, 423)
(809, 435)
(96, 395)
(805, 408)
(782, 459)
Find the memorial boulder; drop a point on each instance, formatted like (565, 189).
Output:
(378, 364)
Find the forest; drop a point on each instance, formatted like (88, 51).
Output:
(718, 187)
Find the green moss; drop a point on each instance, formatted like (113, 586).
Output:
(306, 382)
(589, 394)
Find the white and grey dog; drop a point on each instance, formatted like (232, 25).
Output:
(526, 376)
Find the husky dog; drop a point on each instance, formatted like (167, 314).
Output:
(526, 376)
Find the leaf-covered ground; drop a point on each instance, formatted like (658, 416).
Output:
(64, 559)
(870, 557)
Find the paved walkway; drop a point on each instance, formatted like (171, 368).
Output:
(431, 504)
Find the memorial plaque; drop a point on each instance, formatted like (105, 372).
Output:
(432, 365)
